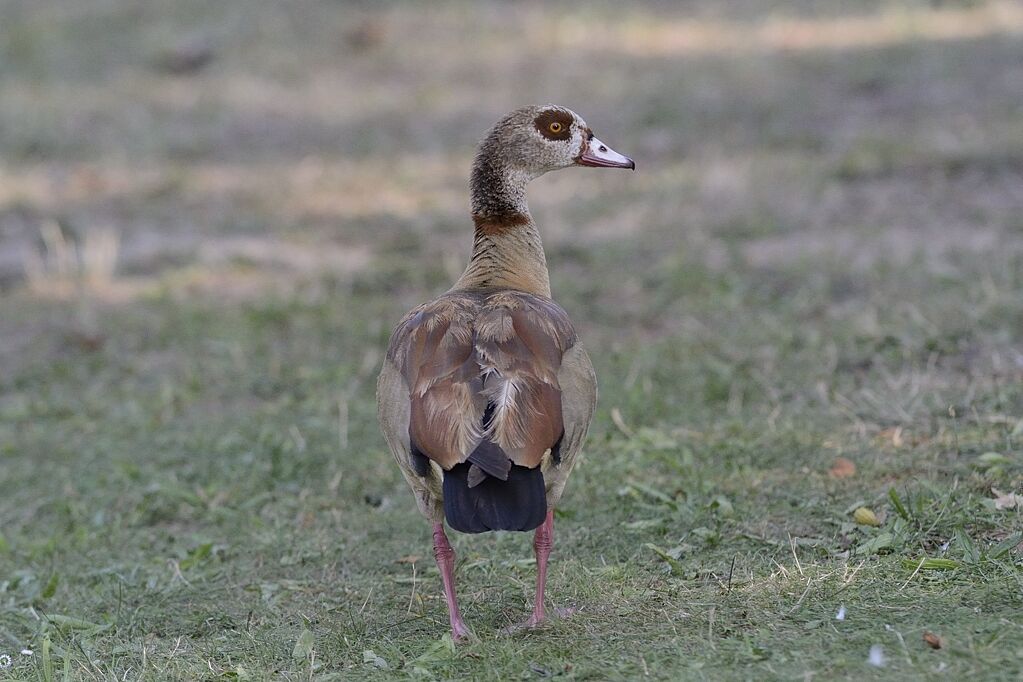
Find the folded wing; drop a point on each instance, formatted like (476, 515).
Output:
(482, 370)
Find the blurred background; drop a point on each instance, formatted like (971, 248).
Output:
(183, 141)
(212, 214)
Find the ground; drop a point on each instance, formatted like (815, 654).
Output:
(807, 299)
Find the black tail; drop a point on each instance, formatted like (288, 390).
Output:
(519, 503)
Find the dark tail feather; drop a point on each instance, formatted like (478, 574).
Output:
(519, 503)
(489, 459)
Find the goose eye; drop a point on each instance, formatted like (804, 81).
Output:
(555, 127)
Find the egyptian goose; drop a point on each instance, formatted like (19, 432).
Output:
(485, 393)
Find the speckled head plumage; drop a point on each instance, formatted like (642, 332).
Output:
(524, 145)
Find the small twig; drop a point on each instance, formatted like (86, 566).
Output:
(908, 580)
(178, 574)
(412, 596)
(368, 595)
(809, 584)
(342, 423)
(848, 578)
(902, 641)
(616, 419)
(792, 546)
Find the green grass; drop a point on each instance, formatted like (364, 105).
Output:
(814, 260)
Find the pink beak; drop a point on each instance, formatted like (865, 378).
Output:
(598, 154)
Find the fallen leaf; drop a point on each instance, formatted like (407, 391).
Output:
(196, 556)
(1007, 544)
(1007, 500)
(842, 468)
(932, 640)
(723, 505)
(304, 646)
(865, 517)
(671, 557)
(930, 564)
(441, 650)
(881, 542)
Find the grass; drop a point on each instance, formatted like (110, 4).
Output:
(818, 263)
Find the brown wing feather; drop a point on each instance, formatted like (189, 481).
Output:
(522, 338)
(432, 347)
(469, 348)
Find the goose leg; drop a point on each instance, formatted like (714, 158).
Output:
(543, 540)
(445, 557)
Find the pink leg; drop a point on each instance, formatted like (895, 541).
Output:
(446, 563)
(543, 540)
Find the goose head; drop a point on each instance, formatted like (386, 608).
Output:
(536, 139)
(524, 145)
